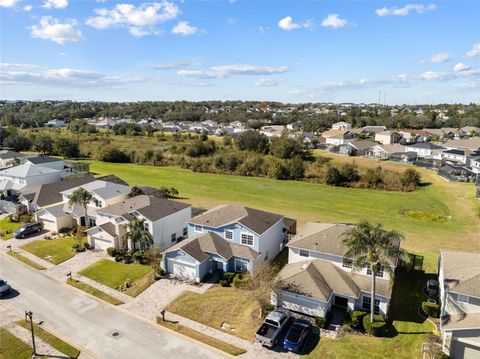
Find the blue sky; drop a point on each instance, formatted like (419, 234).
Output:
(290, 51)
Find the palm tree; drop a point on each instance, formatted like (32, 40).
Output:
(80, 196)
(372, 246)
(136, 234)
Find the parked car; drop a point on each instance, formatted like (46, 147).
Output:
(297, 335)
(4, 288)
(432, 287)
(28, 229)
(273, 324)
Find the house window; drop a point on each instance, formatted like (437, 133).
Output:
(173, 237)
(146, 227)
(185, 231)
(247, 239)
(462, 298)
(366, 304)
(380, 272)
(347, 263)
(92, 222)
(304, 253)
(198, 229)
(228, 235)
(241, 265)
(97, 203)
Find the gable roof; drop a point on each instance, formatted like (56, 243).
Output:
(39, 159)
(200, 246)
(461, 271)
(425, 145)
(319, 279)
(27, 170)
(254, 219)
(102, 189)
(464, 144)
(151, 207)
(362, 145)
(335, 134)
(7, 154)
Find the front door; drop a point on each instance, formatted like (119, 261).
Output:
(82, 221)
(341, 302)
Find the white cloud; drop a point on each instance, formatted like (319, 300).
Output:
(334, 21)
(140, 20)
(174, 65)
(461, 67)
(8, 3)
(11, 66)
(288, 24)
(437, 58)
(436, 75)
(27, 8)
(184, 28)
(263, 29)
(232, 21)
(216, 72)
(475, 51)
(52, 29)
(469, 86)
(55, 4)
(265, 81)
(404, 11)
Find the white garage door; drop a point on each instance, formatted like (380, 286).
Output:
(183, 270)
(300, 304)
(461, 350)
(48, 224)
(100, 243)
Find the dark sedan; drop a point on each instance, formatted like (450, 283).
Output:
(28, 229)
(4, 288)
(297, 335)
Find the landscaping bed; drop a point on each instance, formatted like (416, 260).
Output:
(54, 251)
(206, 339)
(25, 260)
(94, 291)
(115, 275)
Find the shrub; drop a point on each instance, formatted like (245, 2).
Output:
(320, 322)
(112, 155)
(111, 251)
(241, 280)
(355, 320)
(78, 247)
(64, 230)
(376, 328)
(224, 283)
(410, 177)
(127, 259)
(268, 307)
(431, 309)
(228, 276)
(138, 257)
(252, 141)
(333, 177)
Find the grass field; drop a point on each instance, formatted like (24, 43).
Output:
(25, 260)
(114, 275)
(94, 291)
(12, 347)
(416, 214)
(7, 226)
(52, 250)
(206, 339)
(51, 339)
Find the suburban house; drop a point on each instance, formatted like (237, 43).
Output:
(45, 161)
(426, 150)
(384, 137)
(470, 131)
(472, 144)
(343, 126)
(383, 152)
(227, 238)
(460, 156)
(407, 136)
(337, 137)
(55, 123)
(273, 130)
(319, 278)
(165, 220)
(459, 282)
(356, 148)
(13, 179)
(475, 164)
(7, 158)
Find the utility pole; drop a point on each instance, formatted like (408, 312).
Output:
(29, 314)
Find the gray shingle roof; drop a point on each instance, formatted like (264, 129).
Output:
(462, 272)
(103, 189)
(254, 219)
(39, 159)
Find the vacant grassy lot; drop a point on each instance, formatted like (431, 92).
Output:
(218, 305)
(51, 339)
(94, 291)
(206, 339)
(10, 227)
(25, 260)
(12, 347)
(437, 215)
(114, 275)
(52, 250)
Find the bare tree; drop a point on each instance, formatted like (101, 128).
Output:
(263, 284)
(153, 255)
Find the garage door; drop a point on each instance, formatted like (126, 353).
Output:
(48, 224)
(183, 270)
(461, 350)
(100, 243)
(300, 304)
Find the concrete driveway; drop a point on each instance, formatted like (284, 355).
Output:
(90, 323)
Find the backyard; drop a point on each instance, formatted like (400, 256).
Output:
(52, 250)
(114, 275)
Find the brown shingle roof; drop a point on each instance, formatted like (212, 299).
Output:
(462, 272)
(199, 246)
(254, 219)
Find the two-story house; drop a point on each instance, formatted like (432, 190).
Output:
(342, 125)
(459, 282)
(337, 137)
(426, 150)
(165, 220)
(227, 238)
(318, 276)
(13, 179)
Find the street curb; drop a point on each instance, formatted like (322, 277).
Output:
(211, 348)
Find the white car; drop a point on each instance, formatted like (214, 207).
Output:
(4, 288)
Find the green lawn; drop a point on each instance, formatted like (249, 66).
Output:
(51, 339)
(306, 201)
(7, 226)
(12, 347)
(25, 260)
(52, 250)
(94, 291)
(114, 275)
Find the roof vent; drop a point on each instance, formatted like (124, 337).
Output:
(305, 265)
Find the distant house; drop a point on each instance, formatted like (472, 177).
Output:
(13, 179)
(342, 126)
(372, 130)
(227, 238)
(273, 130)
(356, 148)
(385, 137)
(337, 137)
(55, 123)
(8, 158)
(426, 150)
(319, 278)
(472, 144)
(475, 164)
(165, 220)
(459, 283)
(470, 131)
(46, 161)
(407, 137)
(383, 152)
(460, 156)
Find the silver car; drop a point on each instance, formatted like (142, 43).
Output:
(5, 288)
